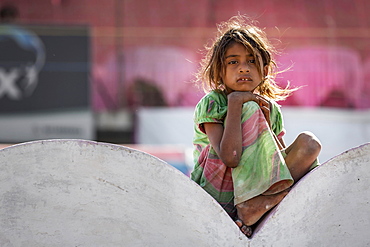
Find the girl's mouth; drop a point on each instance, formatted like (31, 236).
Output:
(244, 79)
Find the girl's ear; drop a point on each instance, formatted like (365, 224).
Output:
(265, 70)
(221, 73)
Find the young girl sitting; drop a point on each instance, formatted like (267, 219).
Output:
(240, 156)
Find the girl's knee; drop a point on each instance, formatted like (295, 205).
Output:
(310, 142)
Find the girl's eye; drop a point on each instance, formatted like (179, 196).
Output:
(252, 61)
(233, 62)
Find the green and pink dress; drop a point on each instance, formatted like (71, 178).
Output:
(262, 163)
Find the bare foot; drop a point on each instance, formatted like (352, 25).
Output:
(247, 230)
(249, 212)
(278, 187)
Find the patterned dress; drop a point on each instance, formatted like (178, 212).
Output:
(262, 164)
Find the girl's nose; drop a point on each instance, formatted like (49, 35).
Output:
(244, 68)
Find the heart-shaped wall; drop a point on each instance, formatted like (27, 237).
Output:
(84, 193)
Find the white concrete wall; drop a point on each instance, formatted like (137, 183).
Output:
(17, 128)
(337, 129)
(328, 207)
(83, 193)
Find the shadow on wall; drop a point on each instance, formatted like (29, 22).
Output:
(143, 92)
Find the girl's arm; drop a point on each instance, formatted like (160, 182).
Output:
(265, 106)
(227, 142)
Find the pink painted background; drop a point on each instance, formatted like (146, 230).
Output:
(145, 52)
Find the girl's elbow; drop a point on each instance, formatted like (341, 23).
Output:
(232, 165)
(231, 162)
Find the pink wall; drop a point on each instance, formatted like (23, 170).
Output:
(175, 30)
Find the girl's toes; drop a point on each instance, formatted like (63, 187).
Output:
(247, 230)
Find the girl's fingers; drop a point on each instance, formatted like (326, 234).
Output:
(262, 101)
(266, 113)
(265, 107)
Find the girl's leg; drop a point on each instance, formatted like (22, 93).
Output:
(262, 156)
(262, 169)
(250, 211)
(301, 154)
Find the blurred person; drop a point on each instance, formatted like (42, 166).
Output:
(8, 14)
(240, 156)
(145, 93)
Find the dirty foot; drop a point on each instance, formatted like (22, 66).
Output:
(278, 187)
(252, 210)
(247, 230)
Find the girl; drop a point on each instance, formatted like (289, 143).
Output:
(240, 155)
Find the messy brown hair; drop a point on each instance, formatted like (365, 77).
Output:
(242, 30)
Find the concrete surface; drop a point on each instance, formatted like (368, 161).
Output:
(83, 193)
(328, 207)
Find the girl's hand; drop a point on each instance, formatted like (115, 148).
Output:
(237, 97)
(241, 97)
(265, 106)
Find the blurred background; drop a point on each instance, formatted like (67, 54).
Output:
(121, 71)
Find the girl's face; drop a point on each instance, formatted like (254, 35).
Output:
(240, 72)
